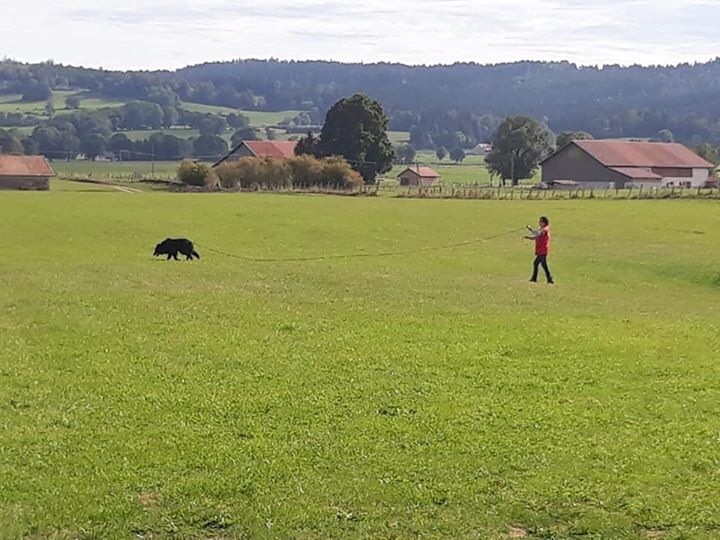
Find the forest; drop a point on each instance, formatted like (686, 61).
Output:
(452, 105)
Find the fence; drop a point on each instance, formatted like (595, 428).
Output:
(503, 193)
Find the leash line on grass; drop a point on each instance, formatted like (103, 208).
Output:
(360, 255)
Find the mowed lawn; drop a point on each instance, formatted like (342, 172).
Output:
(434, 394)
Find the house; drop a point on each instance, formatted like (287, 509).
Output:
(618, 164)
(25, 172)
(274, 149)
(481, 149)
(418, 176)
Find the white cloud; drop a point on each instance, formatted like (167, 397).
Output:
(163, 34)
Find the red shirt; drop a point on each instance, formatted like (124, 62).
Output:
(542, 241)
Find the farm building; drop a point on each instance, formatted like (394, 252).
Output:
(482, 149)
(25, 172)
(275, 149)
(614, 163)
(418, 176)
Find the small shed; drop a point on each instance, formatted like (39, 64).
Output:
(25, 172)
(418, 176)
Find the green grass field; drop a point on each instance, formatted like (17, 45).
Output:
(471, 171)
(116, 169)
(434, 394)
(257, 118)
(14, 103)
(399, 137)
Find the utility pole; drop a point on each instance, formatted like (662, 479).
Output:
(512, 169)
(152, 154)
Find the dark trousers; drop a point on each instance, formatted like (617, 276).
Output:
(541, 260)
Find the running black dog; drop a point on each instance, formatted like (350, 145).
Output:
(172, 246)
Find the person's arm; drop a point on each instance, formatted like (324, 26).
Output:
(534, 233)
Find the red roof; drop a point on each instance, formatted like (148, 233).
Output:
(636, 173)
(612, 153)
(25, 166)
(422, 172)
(276, 149)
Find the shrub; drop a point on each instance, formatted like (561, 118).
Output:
(300, 171)
(336, 172)
(306, 170)
(192, 173)
(249, 172)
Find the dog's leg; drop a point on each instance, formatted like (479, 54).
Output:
(169, 257)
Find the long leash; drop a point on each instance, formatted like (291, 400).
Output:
(361, 255)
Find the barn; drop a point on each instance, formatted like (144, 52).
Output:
(25, 172)
(274, 149)
(418, 176)
(616, 163)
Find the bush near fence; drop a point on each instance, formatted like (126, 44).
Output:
(299, 172)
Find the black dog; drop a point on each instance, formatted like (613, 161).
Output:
(172, 246)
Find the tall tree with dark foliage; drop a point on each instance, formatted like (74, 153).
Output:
(356, 129)
(519, 145)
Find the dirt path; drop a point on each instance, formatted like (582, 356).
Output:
(116, 187)
(124, 189)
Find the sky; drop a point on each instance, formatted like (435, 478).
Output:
(165, 34)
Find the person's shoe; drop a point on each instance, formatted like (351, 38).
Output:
(551, 283)
(533, 281)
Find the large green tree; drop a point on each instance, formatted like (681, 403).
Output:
(457, 154)
(209, 147)
(519, 145)
(10, 144)
(405, 154)
(243, 134)
(567, 136)
(708, 153)
(356, 129)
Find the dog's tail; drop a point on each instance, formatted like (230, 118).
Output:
(195, 254)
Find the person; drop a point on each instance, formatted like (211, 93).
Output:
(542, 248)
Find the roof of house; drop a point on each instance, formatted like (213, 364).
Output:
(275, 149)
(614, 153)
(637, 173)
(25, 166)
(422, 172)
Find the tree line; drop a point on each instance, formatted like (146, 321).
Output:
(95, 133)
(455, 105)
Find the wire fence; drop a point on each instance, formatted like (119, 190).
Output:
(530, 193)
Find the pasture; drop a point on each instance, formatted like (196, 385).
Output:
(432, 394)
(126, 170)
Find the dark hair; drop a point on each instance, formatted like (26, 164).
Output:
(545, 220)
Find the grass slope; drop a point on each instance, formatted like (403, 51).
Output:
(14, 103)
(257, 118)
(436, 394)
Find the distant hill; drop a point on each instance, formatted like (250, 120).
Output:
(456, 104)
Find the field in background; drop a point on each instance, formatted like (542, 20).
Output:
(434, 394)
(13, 103)
(116, 169)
